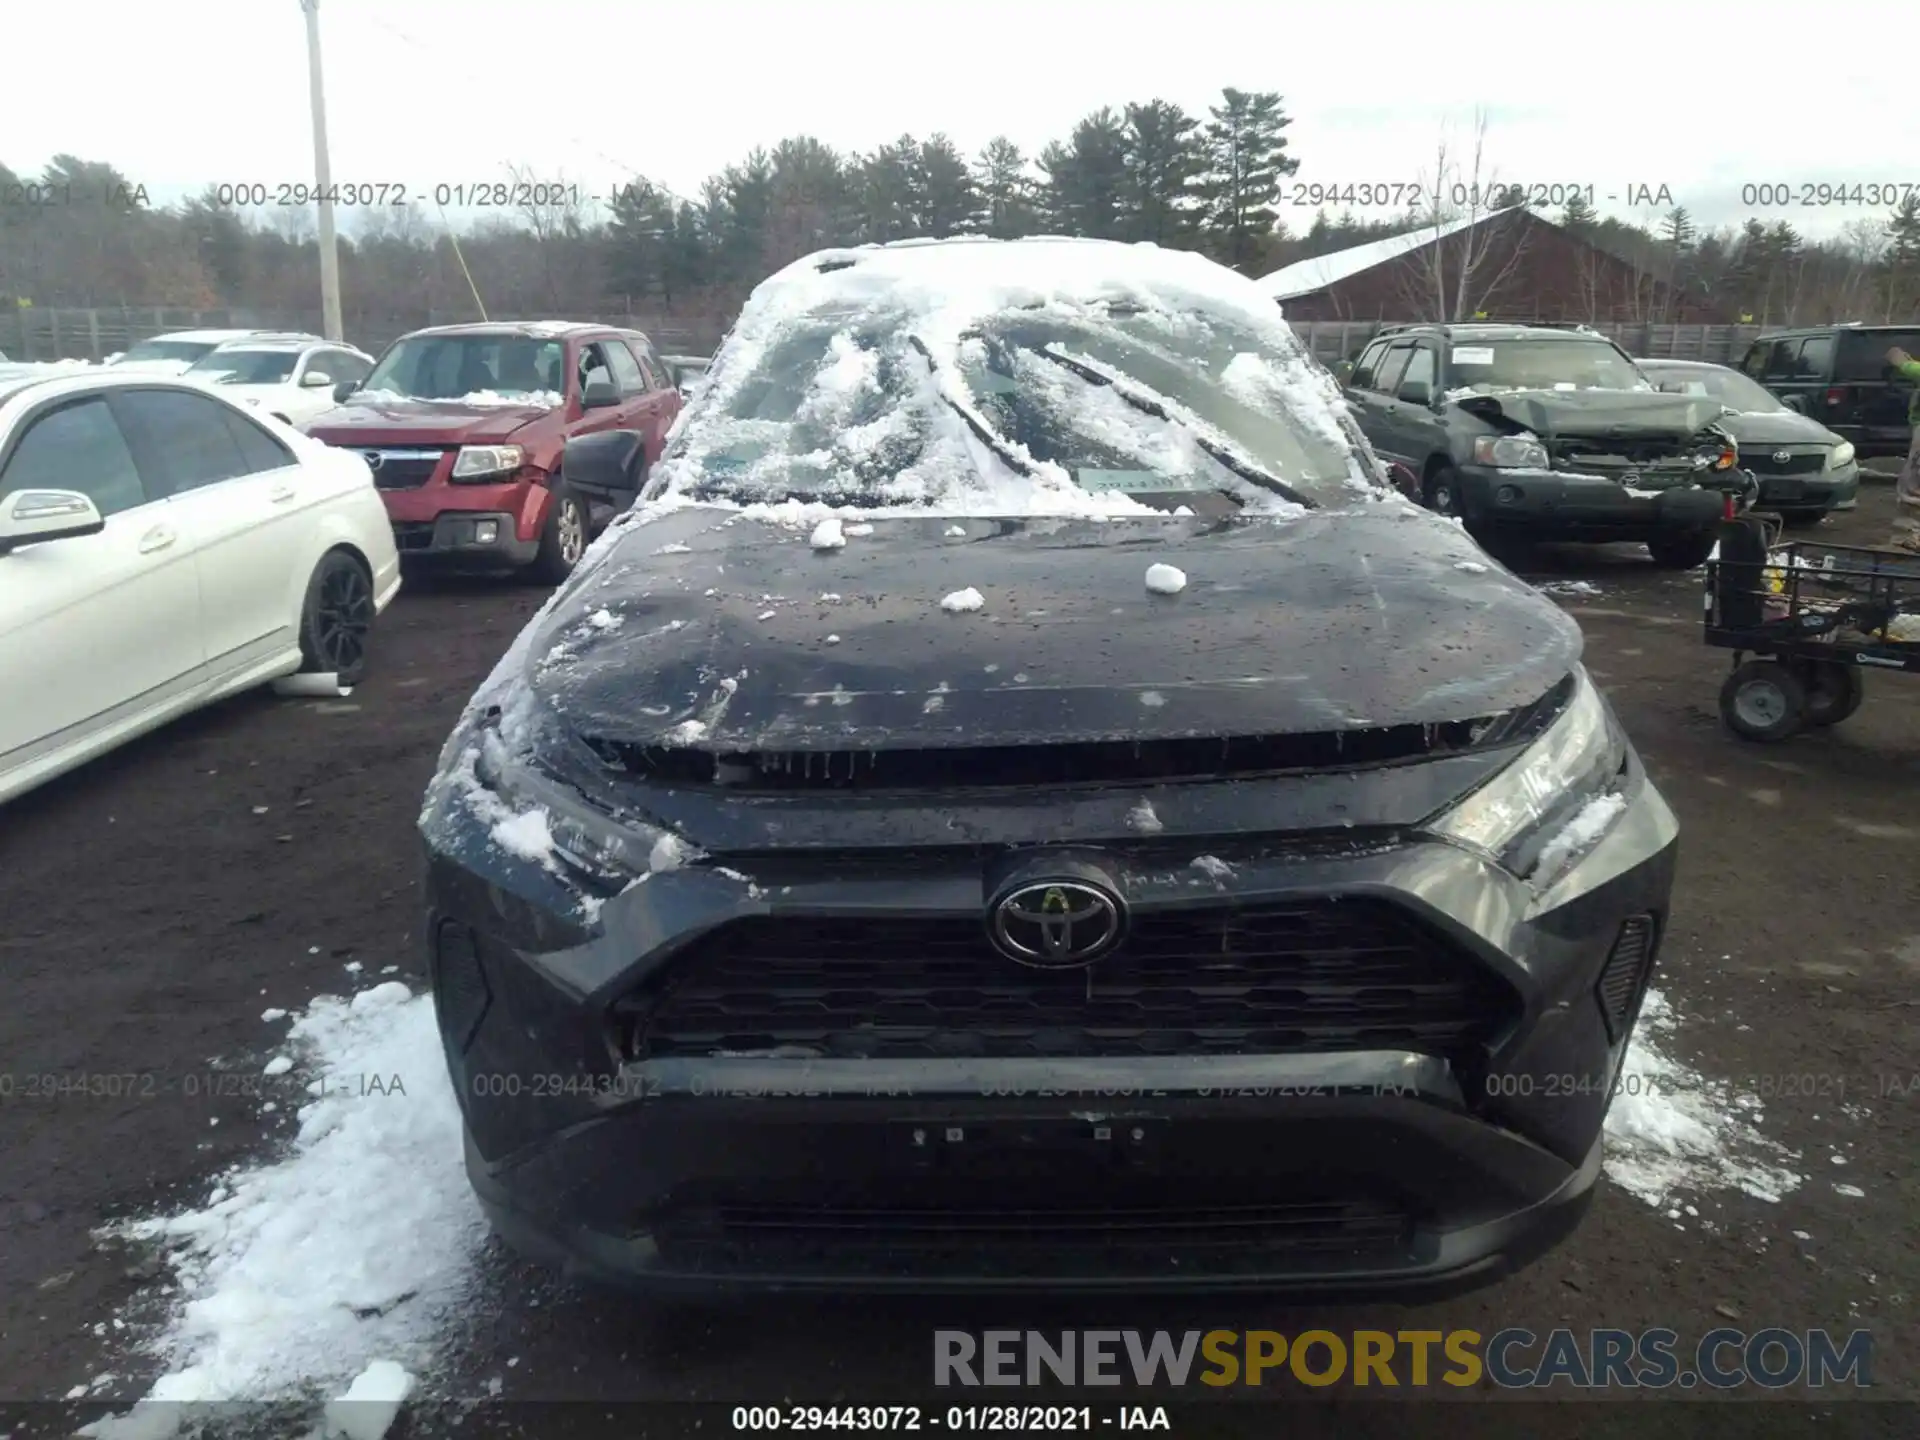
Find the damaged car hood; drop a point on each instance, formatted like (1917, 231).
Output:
(1608, 414)
(715, 629)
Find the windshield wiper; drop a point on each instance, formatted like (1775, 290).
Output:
(1148, 406)
(983, 432)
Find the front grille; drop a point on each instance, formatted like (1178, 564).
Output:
(1270, 979)
(1608, 457)
(1211, 1238)
(1761, 460)
(402, 469)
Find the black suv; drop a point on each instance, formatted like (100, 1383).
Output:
(1548, 432)
(1838, 375)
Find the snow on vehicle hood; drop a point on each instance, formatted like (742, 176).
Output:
(1613, 414)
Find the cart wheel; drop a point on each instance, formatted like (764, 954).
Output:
(1763, 700)
(1834, 689)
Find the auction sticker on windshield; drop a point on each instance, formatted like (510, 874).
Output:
(1473, 355)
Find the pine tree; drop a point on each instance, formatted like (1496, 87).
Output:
(1247, 160)
(638, 233)
(748, 189)
(1006, 190)
(1903, 258)
(1677, 229)
(1577, 215)
(1087, 177)
(812, 203)
(949, 200)
(219, 236)
(1164, 158)
(892, 192)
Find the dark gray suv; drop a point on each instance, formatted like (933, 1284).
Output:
(1548, 432)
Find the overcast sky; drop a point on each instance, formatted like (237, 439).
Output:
(1696, 96)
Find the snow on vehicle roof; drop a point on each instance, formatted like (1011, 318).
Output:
(544, 328)
(1307, 277)
(203, 335)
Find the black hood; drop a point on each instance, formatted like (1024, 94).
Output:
(1381, 615)
(1597, 414)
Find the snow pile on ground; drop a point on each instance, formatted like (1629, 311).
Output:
(962, 601)
(1571, 589)
(1671, 1131)
(340, 1258)
(367, 1410)
(1166, 579)
(829, 534)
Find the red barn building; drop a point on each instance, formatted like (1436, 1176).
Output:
(1508, 265)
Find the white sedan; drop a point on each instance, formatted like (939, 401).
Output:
(291, 379)
(160, 548)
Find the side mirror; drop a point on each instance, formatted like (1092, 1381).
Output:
(602, 466)
(32, 517)
(1343, 371)
(1796, 403)
(342, 390)
(600, 394)
(1416, 392)
(314, 379)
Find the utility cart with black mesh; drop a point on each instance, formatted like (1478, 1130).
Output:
(1804, 620)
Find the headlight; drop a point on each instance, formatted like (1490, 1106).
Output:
(1720, 455)
(1515, 816)
(477, 460)
(610, 849)
(1510, 452)
(1840, 456)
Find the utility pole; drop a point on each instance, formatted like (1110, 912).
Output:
(323, 181)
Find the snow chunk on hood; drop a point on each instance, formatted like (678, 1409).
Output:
(1166, 579)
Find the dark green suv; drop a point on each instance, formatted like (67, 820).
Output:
(1839, 376)
(1549, 432)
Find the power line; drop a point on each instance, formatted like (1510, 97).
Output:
(441, 62)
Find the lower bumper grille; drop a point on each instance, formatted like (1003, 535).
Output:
(1270, 979)
(1218, 1238)
(412, 535)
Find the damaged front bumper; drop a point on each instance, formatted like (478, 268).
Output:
(1587, 507)
(1195, 1150)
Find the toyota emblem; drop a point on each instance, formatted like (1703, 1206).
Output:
(1056, 924)
(1781, 457)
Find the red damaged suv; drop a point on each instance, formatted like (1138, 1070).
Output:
(463, 427)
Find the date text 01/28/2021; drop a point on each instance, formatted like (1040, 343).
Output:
(802, 1419)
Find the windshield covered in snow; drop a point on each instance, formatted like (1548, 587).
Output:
(889, 402)
(1729, 387)
(455, 367)
(246, 367)
(1495, 365)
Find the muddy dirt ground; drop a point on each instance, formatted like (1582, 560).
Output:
(148, 913)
